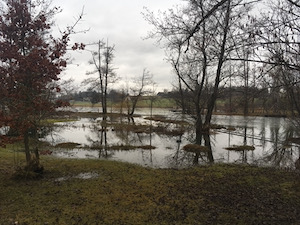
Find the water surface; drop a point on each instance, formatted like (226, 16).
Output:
(268, 135)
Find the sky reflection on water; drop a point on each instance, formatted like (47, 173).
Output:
(267, 135)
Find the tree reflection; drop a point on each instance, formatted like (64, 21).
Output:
(244, 153)
(183, 157)
(99, 142)
(207, 142)
(110, 137)
(271, 141)
(282, 152)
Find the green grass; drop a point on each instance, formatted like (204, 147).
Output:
(158, 103)
(83, 104)
(57, 120)
(123, 193)
(142, 103)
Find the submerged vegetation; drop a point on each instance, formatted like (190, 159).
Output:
(122, 147)
(241, 148)
(163, 119)
(67, 145)
(195, 148)
(107, 192)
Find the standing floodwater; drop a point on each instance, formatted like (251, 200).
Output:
(267, 140)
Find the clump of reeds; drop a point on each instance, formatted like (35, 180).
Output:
(195, 148)
(241, 148)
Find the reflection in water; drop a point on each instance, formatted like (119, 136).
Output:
(97, 138)
(269, 136)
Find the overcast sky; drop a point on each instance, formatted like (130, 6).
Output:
(122, 24)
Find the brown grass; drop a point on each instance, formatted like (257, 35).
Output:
(195, 148)
(241, 148)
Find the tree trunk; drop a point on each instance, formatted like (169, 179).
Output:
(199, 129)
(210, 156)
(199, 125)
(27, 149)
(181, 96)
(212, 100)
(104, 104)
(105, 90)
(134, 103)
(246, 84)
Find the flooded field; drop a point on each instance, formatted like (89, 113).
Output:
(159, 143)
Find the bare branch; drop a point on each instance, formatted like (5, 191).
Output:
(294, 3)
(197, 26)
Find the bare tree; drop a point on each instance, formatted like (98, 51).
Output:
(102, 60)
(139, 88)
(276, 39)
(199, 37)
(67, 89)
(275, 47)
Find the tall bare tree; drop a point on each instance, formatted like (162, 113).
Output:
(102, 60)
(198, 38)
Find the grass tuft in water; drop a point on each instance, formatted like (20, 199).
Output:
(241, 148)
(67, 145)
(122, 147)
(195, 148)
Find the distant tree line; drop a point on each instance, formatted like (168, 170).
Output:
(93, 96)
(261, 101)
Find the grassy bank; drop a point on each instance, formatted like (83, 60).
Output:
(142, 103)
(171, 104)
(122, 193)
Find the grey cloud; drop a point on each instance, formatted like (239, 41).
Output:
(121, 22)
